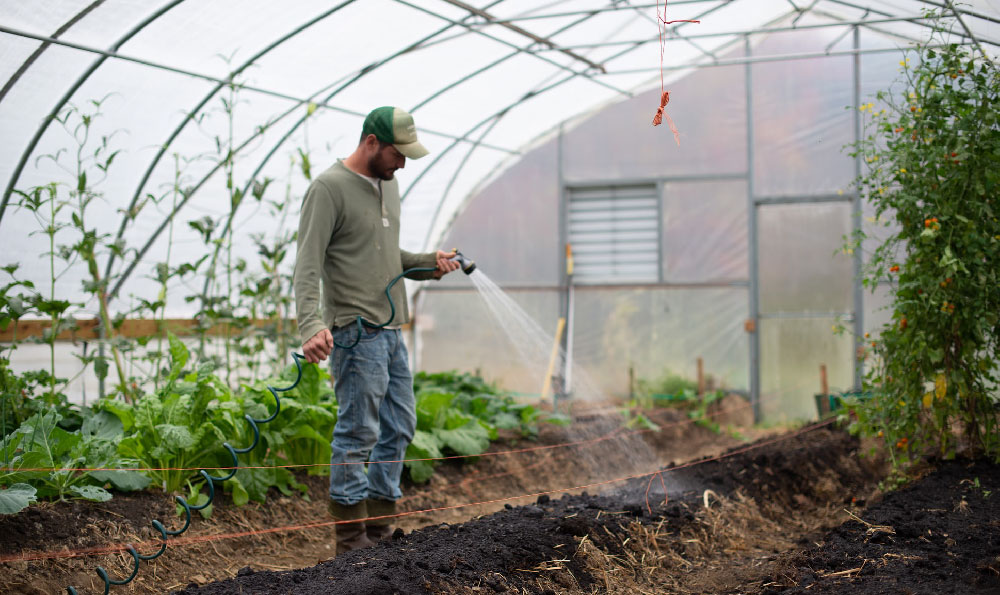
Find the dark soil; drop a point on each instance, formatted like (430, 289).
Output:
(509, 550)
(786, 514)
(45, 535)
(939, 535)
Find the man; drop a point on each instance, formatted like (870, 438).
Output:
(349, 242)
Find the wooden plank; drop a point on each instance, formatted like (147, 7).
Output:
(131, 329)
(86, 330)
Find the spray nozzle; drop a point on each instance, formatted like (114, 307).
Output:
(468, 265)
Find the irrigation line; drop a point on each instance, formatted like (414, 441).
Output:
(62, 554)
(616, 433)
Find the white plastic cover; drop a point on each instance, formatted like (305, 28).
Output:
(489, 88)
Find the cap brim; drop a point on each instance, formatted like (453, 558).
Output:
(413, 150)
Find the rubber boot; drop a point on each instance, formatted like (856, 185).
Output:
(351, 535)
(379, 529)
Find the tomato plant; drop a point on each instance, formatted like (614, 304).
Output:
(933, 176)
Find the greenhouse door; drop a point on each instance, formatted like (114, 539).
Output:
(806, 293)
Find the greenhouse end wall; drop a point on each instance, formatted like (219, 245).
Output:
(788, 159)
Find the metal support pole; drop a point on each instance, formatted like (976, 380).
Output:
(859, 295)
(753, 305)
(568, 348)
(566, 281)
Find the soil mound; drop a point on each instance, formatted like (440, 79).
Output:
(939, 535)
(544, 546)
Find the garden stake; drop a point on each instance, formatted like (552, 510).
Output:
(209, 479)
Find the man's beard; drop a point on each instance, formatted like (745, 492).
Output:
(379, 168)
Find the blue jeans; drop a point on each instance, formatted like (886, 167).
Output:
(376, 417)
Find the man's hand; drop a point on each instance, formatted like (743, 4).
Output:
(445, 264)
(318, 347)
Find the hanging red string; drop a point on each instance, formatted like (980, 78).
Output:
(661, 26)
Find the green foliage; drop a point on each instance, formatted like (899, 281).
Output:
(933, 177)
(672, 390)
(16, 498)
(300, 435)
(668, 383)
(636, 418)
(43, 455)
(182, 426)
(459, 414)
(24, 395)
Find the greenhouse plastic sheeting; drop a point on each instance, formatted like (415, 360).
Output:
(517, 101)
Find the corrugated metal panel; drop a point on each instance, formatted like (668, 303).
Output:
(615, 233)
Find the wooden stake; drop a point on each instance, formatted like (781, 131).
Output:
(701, 377)
(547, 385)
(824, 386)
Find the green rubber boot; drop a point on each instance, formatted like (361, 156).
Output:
(350, 535)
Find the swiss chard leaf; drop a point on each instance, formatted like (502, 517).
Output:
(92, 493)
(126, 481)
(16, 498)
(471, 439)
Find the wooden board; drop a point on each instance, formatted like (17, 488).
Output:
(133, 328)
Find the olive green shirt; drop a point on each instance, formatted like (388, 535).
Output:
(349, 243)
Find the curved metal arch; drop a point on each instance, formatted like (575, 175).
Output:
(163, 225)
(295, 127)
(512, 45)
(496, 116)
(35, 55)
(454, 176)
(16, 175)
(487, 67)
(191, 113)
(464, 138)
(451, 23)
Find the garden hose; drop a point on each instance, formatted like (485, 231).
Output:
(209, 479)
(467, 265)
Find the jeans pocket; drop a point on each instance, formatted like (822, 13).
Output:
(352, 334)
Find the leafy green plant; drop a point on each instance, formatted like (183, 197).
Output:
(933, 176)
(442, 427)
(634, 417)
(181, 427)
(44, 456)
(460, 414)
(300, 435)
(672, 390)
(668, 383)
(16, 498)
(483, 400)
(27, 394)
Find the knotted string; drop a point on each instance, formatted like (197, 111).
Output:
(665, 95)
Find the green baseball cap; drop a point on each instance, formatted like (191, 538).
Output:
(393, 125)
